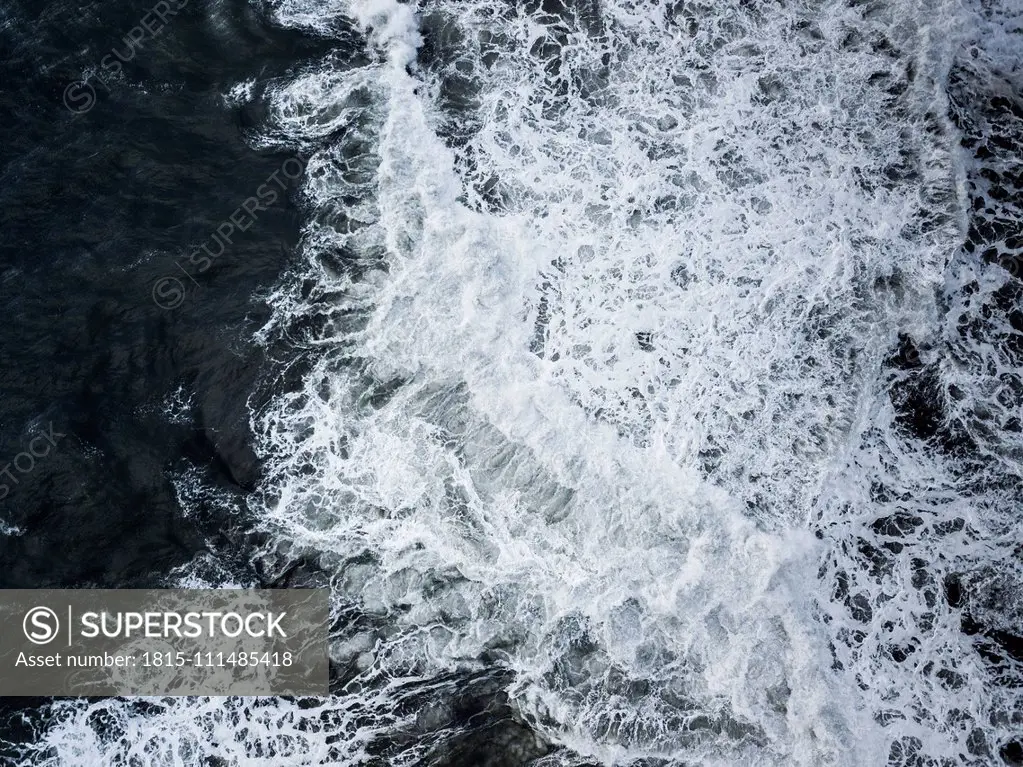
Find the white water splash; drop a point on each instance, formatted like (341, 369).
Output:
(597, 329)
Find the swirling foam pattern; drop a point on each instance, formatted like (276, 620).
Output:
(655, 370)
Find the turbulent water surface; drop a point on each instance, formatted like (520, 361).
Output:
(648, 390)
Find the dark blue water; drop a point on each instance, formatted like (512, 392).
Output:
(97, 206)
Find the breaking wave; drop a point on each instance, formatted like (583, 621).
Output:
(652, 391)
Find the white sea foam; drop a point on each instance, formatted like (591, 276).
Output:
(595, 333)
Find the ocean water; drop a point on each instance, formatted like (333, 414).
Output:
(646, 385)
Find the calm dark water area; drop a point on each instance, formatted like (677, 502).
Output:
(97, 207)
